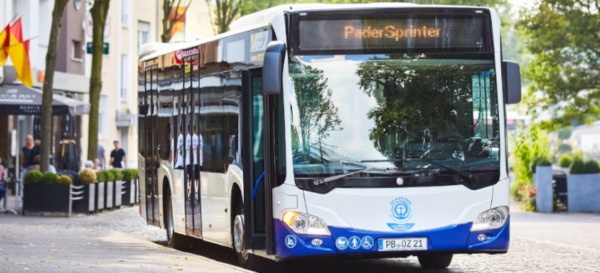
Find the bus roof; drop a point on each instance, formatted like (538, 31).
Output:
(263, 18)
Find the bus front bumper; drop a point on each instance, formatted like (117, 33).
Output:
(451, 239)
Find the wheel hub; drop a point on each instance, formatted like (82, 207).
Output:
(238, 235)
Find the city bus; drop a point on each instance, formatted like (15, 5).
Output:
(330, 130)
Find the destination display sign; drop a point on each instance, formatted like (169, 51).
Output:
(418, 34)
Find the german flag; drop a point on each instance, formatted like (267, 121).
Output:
(4, 45)
(18, 51)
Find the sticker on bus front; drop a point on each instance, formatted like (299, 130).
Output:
(341, 243)
(401, 210)
(290, 241)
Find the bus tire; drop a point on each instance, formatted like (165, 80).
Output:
(435, 261)
(174, 240)
(246, 260)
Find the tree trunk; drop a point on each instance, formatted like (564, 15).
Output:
(99, 12)
(46, 141)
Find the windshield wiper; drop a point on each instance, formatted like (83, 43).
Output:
(470, 176)
(328, 179)
(473, 178)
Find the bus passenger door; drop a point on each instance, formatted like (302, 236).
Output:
(150, 155)
(257, 209)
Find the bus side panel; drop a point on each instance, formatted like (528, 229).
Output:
(142, 185)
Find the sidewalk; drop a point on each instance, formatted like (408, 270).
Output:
(109, 242)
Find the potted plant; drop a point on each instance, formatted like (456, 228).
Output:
(45, 196)
(564, 163)
(100, 190)
(109, 189)
(542, 179)
(87, 191)
(583, 186)
(128, 187)
(117, 192)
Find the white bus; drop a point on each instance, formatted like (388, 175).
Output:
(366, 130)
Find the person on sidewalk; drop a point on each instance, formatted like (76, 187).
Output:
(118, 159)
(96, 166)
(27, 154)
(2, 180)
(101, 156)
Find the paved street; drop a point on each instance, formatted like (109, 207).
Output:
(120, 241)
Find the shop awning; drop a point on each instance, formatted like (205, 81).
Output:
(22, 100)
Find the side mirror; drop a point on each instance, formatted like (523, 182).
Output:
(273, 68)
(512, 82)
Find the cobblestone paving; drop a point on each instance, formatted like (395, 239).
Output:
(109, 242)
(121, 241)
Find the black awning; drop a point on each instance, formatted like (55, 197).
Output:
(22, 100)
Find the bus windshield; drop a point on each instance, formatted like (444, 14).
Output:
(351, 112)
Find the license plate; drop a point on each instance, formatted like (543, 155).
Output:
(403, 244)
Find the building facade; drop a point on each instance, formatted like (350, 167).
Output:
(69, 79)
(130, 24)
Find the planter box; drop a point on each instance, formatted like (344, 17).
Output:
(583, 191)
(100, 190)
(88, 203)
(543, 181)
(128, 193)
(49, 200)
(118, 194)
(109, 194)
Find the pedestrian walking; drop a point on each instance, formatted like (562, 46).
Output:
(101, 156)
(118, 158)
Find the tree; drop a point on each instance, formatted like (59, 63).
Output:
(168, 22)
(317, 113)
(224, 13)
(99, 12)
(46, 141)
(563, 36)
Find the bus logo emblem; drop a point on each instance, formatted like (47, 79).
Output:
(290, 241)
(401, 209)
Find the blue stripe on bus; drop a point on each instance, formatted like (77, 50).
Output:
(452, 238)
(256, 186)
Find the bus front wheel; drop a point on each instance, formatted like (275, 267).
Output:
(246, 259)
(435, 261)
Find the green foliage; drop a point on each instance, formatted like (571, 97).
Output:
(580, 167)
(50, 178)
(33, 176)
(530, 204)
(109, 176)
(100, 177)
(4, 162)
(129, 174)
(540, 161)
(87, 176)
(529, 143)
(117, 174)
(562, 35)
(564, 161)
(64, 180)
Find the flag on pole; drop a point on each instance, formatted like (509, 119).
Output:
(4, 44)
(18, 51)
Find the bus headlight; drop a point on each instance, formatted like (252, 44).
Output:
(305, 224)
(490, 219)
